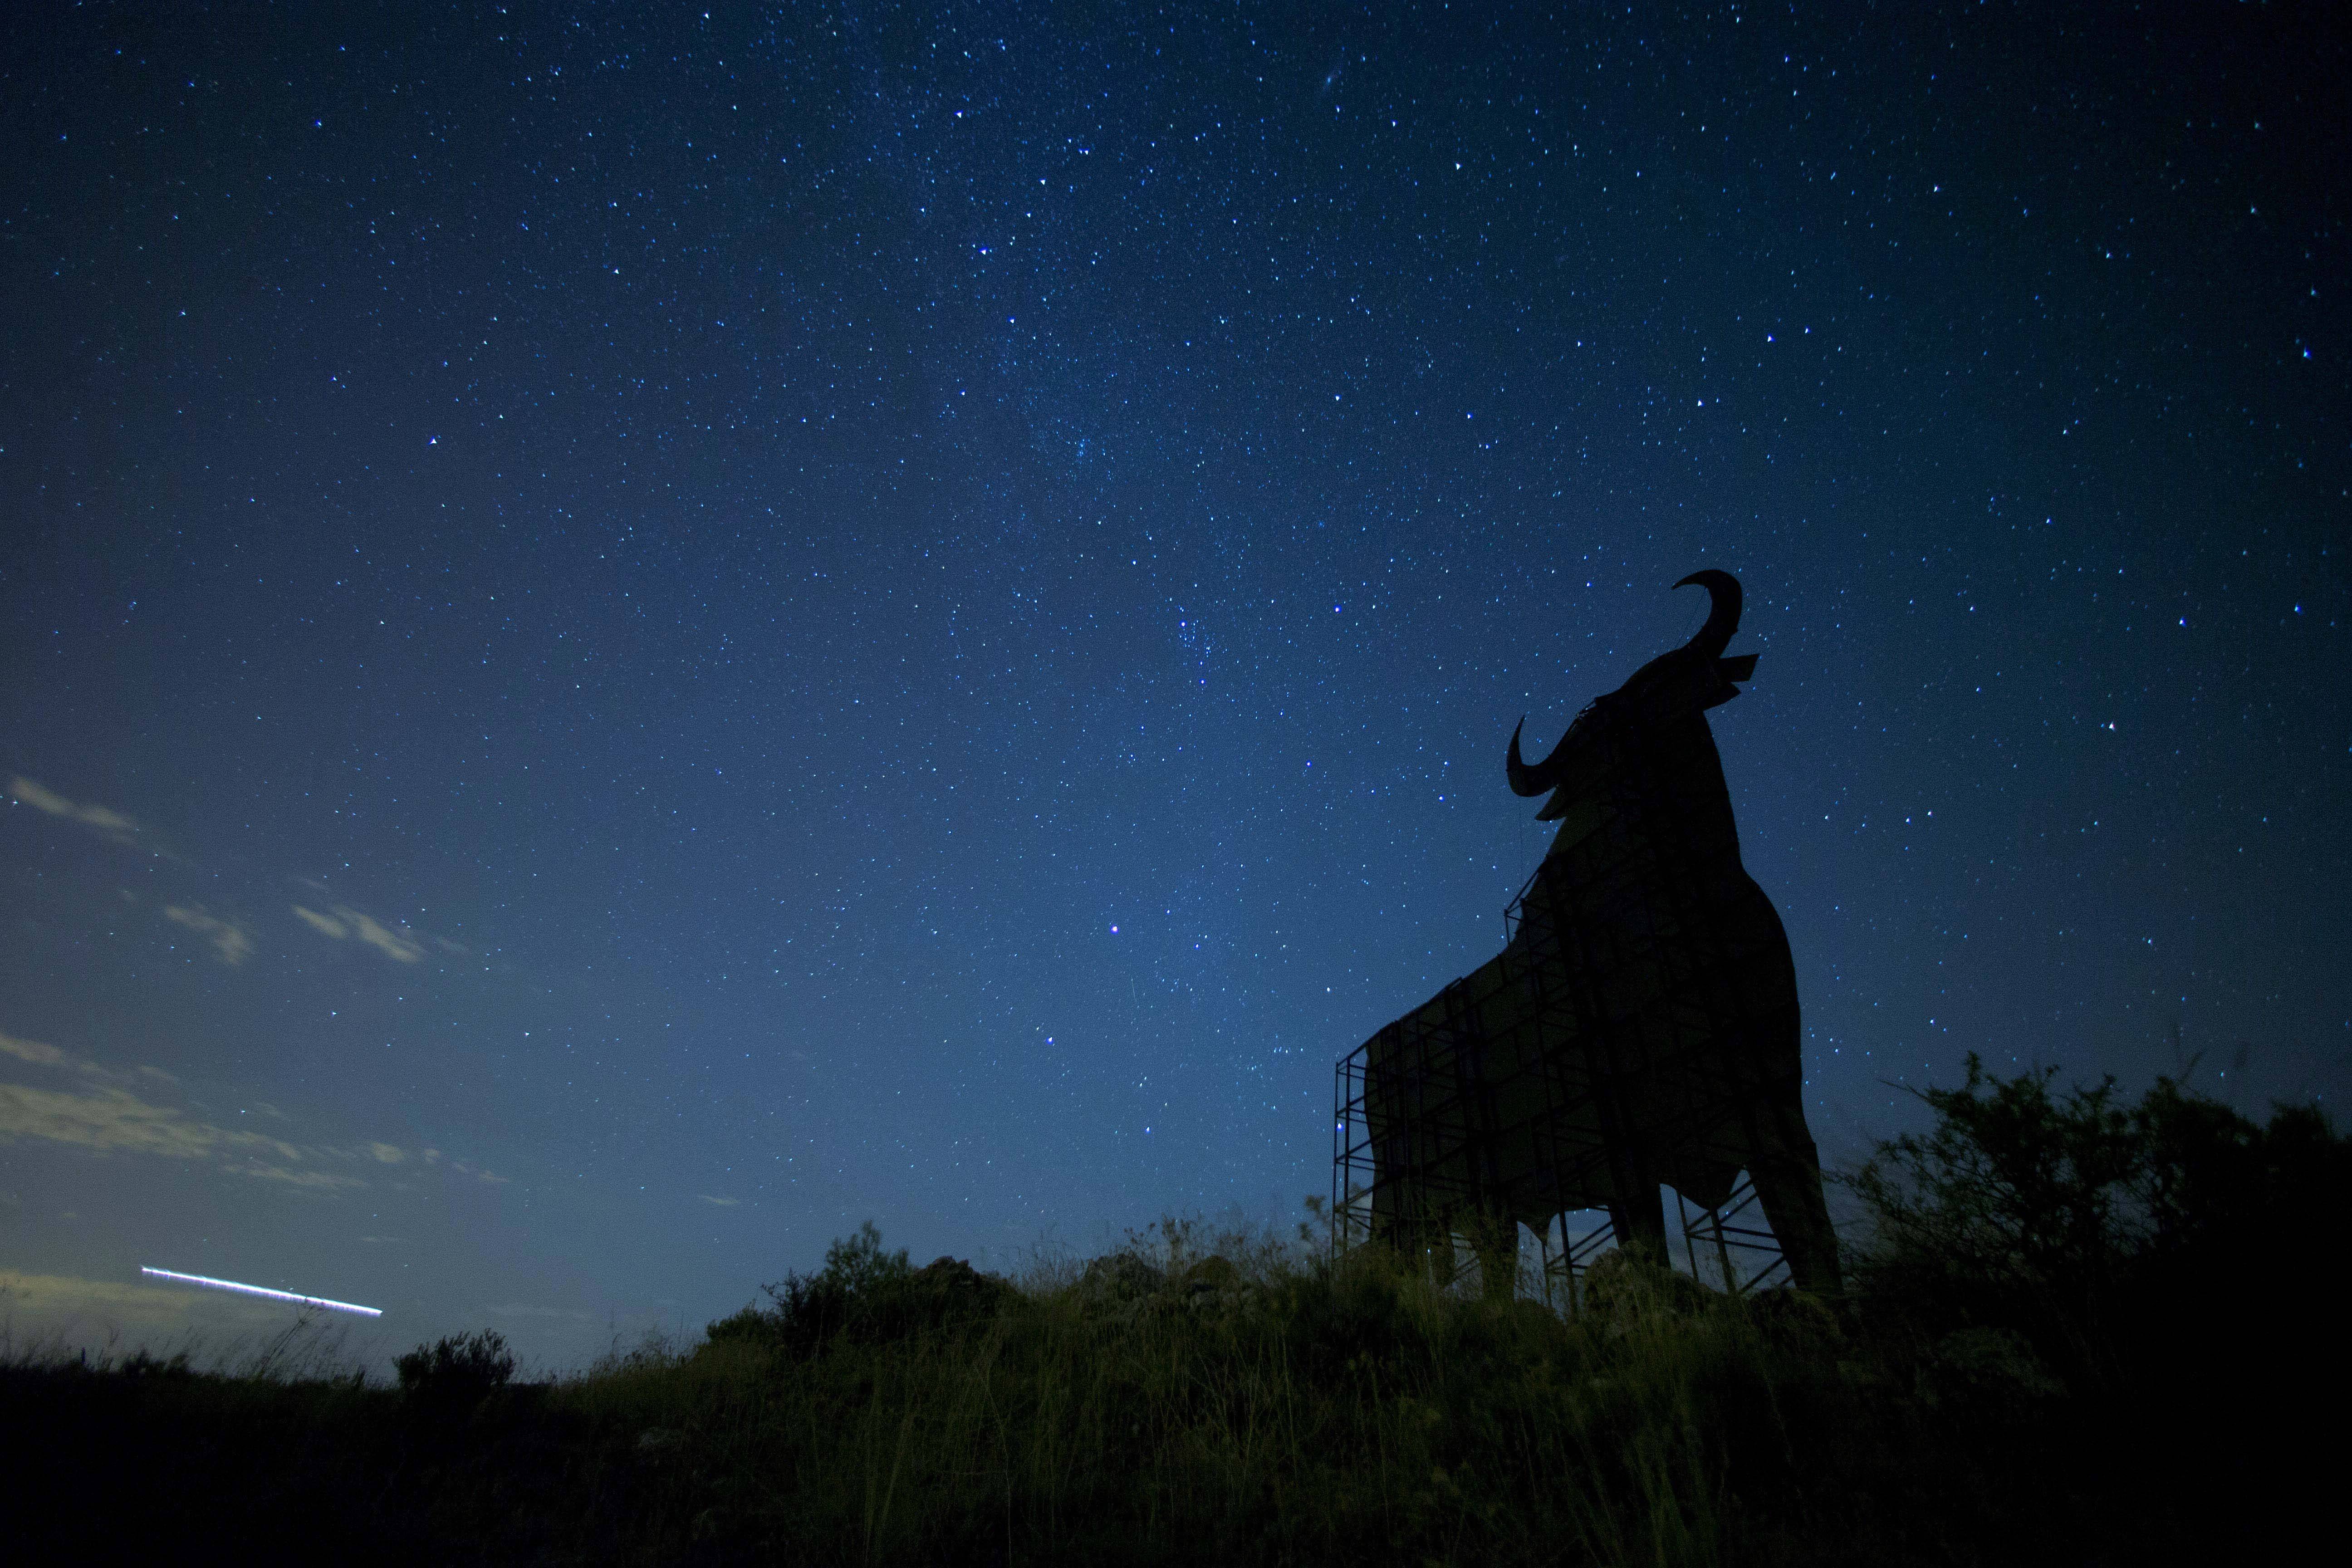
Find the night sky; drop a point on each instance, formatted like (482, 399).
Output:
(631, 635)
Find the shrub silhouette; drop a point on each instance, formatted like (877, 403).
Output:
(2086, 1226)
(2106, 1284)
(458, 1369)
(867, 1294)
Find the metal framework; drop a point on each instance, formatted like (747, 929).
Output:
(1766, 1263)
(1500, 1085)
(1566, 1257)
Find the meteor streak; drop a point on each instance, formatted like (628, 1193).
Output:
(212, 1284)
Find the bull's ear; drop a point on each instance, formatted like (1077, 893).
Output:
(1740, 669)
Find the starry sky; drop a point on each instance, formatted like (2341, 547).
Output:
(633, 635)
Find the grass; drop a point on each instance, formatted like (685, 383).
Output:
(1247, 1405)
(1205, 1397)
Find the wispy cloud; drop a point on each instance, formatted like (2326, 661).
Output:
(322, 1180)
(229, 939)
(109, 824)
(346, 923)
(57, 1299)
(112, 1120)
(102, 1115)
(718, 1202)
(393, 944)
(463, 1167)
(525, 1309)
(41, 1054)
(325, 925)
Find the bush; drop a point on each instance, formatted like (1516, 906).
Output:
(2109, 1285)
(866, 1294)
(461, 1368)
(2091, 1228)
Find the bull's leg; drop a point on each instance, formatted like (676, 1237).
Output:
(1439, 1256)
(1637, 1212)
(1494, 1238)
(1422, 1232)
(1788, 1177)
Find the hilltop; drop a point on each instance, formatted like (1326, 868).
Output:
(2075, 1334)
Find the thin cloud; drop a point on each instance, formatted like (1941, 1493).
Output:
(324, 924)
(101, 1115)
(43, 1055)
(229, 939)
(374, 1152)
(718, 1202)
(397, 945)
(347, 922)
(322, 1180)
(60, 1299)
(109, 824)
(112, 1120)
(40, 1053)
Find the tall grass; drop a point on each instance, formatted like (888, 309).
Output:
(1193, 1397)
(1234, 1401)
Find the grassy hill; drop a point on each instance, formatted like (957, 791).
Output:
(2075, 1335)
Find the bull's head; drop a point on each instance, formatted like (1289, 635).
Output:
(1692, 679)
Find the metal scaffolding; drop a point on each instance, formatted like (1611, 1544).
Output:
(1765, 1263)
(1523, 1089)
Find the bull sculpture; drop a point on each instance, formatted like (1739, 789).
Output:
(1641, 1023)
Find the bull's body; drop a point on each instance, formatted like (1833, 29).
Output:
(1640, 1027)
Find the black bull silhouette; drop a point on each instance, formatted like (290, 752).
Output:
(1641, 1025)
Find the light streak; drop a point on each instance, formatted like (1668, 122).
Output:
(212, 1284)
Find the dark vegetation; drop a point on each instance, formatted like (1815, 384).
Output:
(2079, 1331)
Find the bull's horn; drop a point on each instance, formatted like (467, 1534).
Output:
(1723, 618)
(1526, 780)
